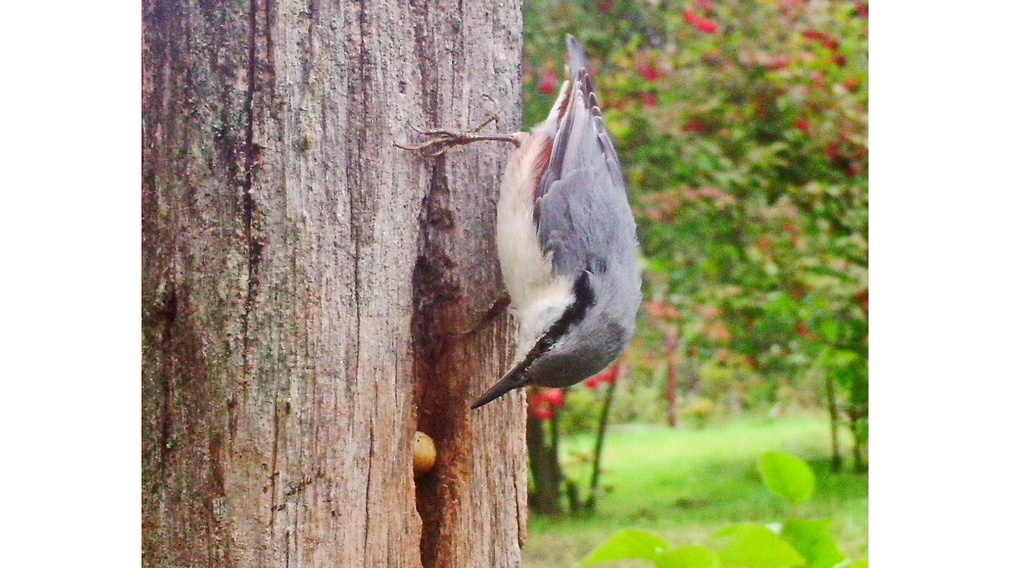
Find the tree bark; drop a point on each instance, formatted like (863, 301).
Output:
(303, 281)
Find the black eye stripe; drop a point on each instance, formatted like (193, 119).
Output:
(573, 314)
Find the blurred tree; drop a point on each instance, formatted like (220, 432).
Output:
(546, 476)
(547, 410)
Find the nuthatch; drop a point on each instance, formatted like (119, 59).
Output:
(566, 241)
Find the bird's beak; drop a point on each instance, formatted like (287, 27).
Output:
(511, 381)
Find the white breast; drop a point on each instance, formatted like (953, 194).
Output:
(538, 297)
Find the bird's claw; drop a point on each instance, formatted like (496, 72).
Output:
(490, 313)
(440, 140)
(438, 144)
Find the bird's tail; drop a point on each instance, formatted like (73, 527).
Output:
(577, 59)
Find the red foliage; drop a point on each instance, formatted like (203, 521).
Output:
(611, 375)
(822, 38)
(708, 26)
(779, 63)
(834, 152)
(544, 404)
(549, 84)
(649, 72)
(554, 397)
(701, 24)
(650, 100)
(803, 124)
(696, 125)
(542, 412)
(864, 300)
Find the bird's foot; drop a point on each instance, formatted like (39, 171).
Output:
(495, 309)
(441, 140)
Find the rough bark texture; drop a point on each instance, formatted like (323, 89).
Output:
(302, 279)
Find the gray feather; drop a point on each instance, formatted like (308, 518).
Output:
(586, 224)
(581, 208)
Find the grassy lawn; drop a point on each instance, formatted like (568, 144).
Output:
(686, 485)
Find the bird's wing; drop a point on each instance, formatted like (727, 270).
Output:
(581, 205)
(582, 226)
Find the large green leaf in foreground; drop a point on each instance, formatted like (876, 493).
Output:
(639, 545)
(630, 544)
(756, 546)
(787, 476)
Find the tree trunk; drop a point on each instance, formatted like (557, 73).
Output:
(836, 453)
(303, 280)
(672, 341)
(544, 468)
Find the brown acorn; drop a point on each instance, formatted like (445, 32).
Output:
(424, 453)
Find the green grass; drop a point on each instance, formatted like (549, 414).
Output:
(686, 485)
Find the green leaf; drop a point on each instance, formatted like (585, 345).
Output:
(787, 476)
(630, 544)
(860, 564)
(689, 557)
(756, 546)
(830, 329)
(814, 541)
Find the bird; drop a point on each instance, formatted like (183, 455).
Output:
(566, 239)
